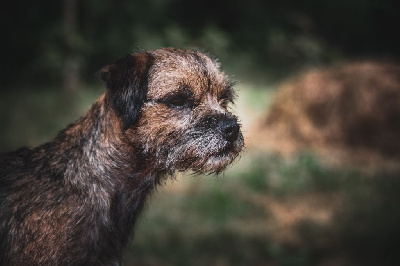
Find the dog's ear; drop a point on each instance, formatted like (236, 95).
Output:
(126, 81)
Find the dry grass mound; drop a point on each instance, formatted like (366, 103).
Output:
(354, 106)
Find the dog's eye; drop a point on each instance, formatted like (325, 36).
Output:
(227, 97)
(224, 102)
(178, 101)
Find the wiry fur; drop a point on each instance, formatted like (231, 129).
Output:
(74, 200)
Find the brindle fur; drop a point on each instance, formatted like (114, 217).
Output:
(75, 199)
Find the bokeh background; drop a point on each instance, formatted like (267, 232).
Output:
(319, 101)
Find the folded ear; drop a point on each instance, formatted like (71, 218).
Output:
(126, 80)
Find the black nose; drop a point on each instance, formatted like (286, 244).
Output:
(229, 129)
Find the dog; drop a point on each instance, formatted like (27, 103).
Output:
(75, 199)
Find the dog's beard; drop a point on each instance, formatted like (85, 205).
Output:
(201, 151)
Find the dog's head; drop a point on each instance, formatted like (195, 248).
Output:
(173, 106)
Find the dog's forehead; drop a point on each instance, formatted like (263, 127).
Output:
(173, 69)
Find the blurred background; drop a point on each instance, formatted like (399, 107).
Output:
(319, 100)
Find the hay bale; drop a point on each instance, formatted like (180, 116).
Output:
(354, 106)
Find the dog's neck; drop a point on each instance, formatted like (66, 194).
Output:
(116, 182)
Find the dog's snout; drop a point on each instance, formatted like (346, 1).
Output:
(229, 129)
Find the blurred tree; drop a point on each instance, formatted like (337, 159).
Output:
(29, 41)
(254, 36)
(71, 64)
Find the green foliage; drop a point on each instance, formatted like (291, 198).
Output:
(31, 117)
(257, 179)
(371, 223)
(219, 247)
(299, 174)
(285, 258)
(218, 205)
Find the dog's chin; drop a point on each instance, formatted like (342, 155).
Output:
(215, 161)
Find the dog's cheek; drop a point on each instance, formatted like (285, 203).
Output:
(162, 131)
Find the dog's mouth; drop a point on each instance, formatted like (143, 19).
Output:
(207, 153)
(227, 150)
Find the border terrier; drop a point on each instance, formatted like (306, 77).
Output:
(75, 199)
